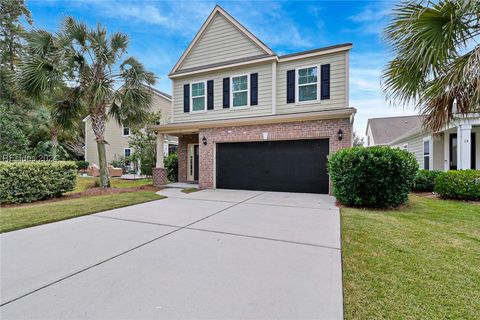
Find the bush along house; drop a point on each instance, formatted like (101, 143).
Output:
(247, 118)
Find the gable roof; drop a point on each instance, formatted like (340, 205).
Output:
(160, 93)
(220, 11)
(385, 130)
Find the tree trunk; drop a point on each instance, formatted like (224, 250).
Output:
(54, 141)
(98, 127)
(102, 159)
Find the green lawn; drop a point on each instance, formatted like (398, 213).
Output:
(84, 183)
(418, 262)
(13, 218)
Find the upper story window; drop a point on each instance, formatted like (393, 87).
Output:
(307, 84)
(126, 131)
(240, 91)
(198, 97)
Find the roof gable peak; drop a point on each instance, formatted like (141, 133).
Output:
(220, 11)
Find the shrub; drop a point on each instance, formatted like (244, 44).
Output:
(372, 177)
(82, 164)
(32, 181)
(425, 180)
(171, 164)
(459, 184)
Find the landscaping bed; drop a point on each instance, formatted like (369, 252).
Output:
(419, 261)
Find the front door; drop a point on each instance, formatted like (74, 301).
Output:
(473, 153)
(453, 151)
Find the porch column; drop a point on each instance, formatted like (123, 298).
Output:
(159, 173)
(464, 146)
(160, 139)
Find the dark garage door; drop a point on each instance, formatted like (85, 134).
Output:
(290, 166)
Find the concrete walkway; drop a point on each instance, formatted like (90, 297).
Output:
(212, 254)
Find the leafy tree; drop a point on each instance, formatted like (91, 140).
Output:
(437, 58)
(144, 145)
(86, 63)
(11, 44)
(357, 140)
(12, 138)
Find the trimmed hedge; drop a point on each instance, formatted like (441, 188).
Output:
(459, 184)
(425, 180)
(31, 181)
(377, 176)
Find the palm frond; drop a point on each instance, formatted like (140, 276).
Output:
(429, 68)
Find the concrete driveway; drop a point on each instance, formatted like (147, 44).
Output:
(212, 254)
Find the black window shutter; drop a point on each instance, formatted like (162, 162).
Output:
(186, 97)
(226, 92)
(325, 82)
(210, 95)
(253, 89)
(291, 86)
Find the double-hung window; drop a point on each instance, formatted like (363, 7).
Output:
(426, 154)
(199, 97)
(240, 91)
(125, 131)
(307, 84)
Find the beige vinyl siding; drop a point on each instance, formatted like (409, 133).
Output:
(221, 42)
(415, 146)
(338, 97)
(264, 106)
(114, 133)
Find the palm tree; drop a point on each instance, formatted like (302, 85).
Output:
(87, 63)
(437, 59)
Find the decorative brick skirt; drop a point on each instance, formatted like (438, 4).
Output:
(159, 177)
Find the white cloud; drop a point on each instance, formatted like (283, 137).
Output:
(372, 19)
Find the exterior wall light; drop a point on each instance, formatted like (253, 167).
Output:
(204, 140)
(340, 135)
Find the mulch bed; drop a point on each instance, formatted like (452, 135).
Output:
(91, 192)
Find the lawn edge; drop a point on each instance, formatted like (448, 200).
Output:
(161, 197)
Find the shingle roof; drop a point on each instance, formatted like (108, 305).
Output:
(385, 130)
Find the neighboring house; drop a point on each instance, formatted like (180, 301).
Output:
(381, 131)
(454, 148)
(247, 118)
(117, 136)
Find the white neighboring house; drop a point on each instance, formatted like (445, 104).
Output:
(456, 147)
(118, 136)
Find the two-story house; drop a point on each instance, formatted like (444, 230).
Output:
(247, 118)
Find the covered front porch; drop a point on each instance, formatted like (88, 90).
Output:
(455, 148)
(188, 158)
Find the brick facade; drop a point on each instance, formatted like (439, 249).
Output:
(277, 131)
(182, 150)
(159, 177)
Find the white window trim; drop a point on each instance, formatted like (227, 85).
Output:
(124, 149)
(297, 101)
(429, 153)
(248, 92)
(205, 96)
(123, 132)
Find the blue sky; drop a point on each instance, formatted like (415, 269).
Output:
(160, 31)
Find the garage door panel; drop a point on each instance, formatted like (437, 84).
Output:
(291, 166)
